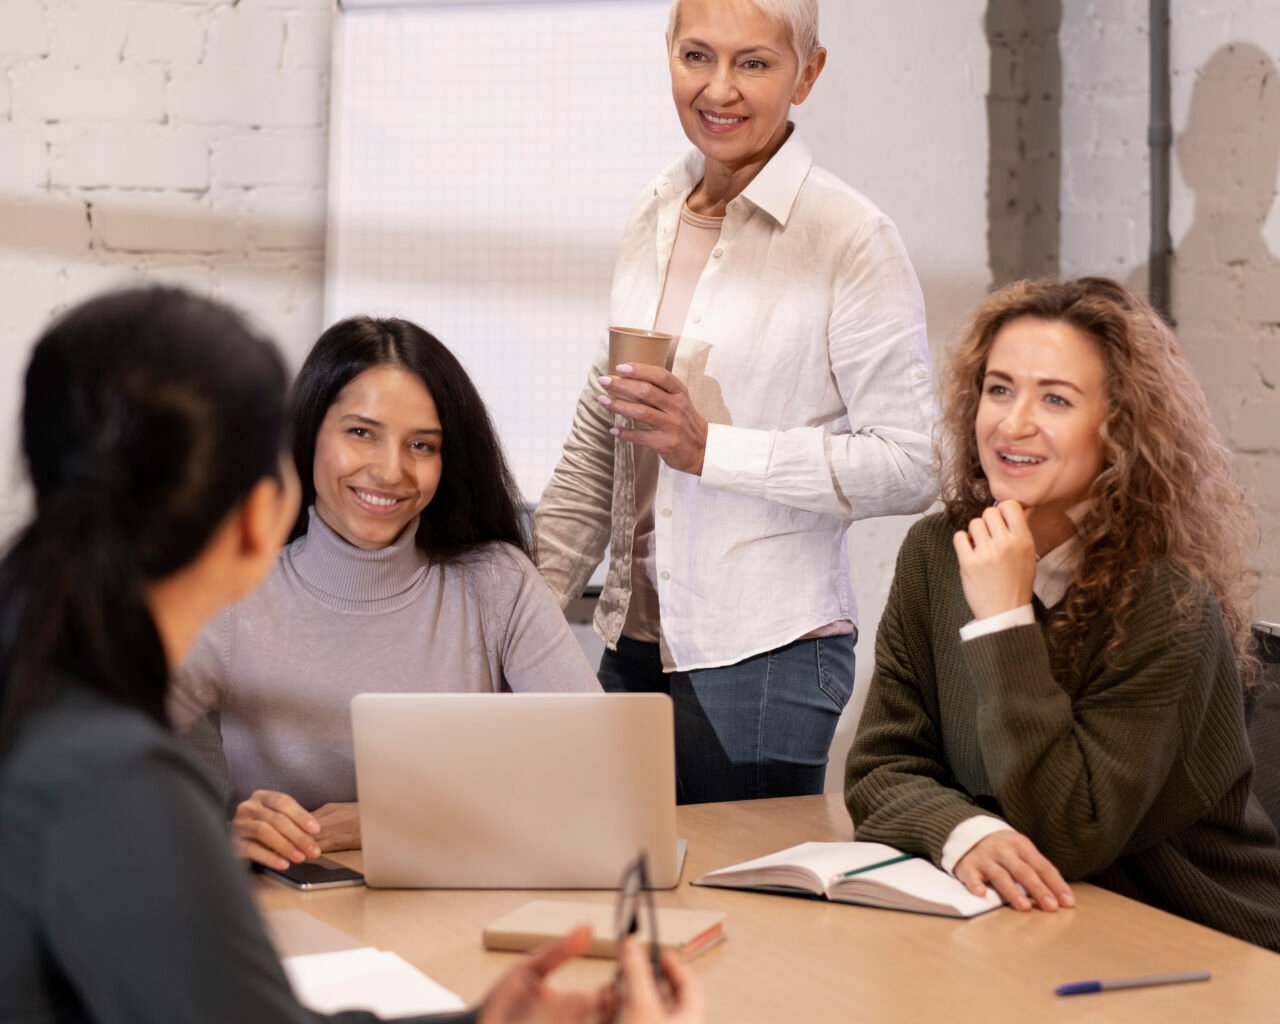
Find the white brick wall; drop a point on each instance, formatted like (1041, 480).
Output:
(48, 92)
(247, 96)
(86, 39)
(1225, 220)
(151, 157)
(283, 158)
(26, 28)
(1104, 193)
(174, 140)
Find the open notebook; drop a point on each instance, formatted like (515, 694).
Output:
(869, 874)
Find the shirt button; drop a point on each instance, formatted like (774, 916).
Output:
(717, 253)
(697, 318)
(666, 513)
(921, 373)
(666, 575)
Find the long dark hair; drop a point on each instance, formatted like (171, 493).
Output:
(477, 500)
(147, 416)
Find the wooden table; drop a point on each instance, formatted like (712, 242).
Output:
(810, 961)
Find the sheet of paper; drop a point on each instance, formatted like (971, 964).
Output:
(366, 979)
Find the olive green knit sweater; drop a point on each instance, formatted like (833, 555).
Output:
(1133, 775)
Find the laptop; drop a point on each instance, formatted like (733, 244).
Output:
(514, 790)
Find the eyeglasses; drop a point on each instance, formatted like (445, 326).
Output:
(635, 896)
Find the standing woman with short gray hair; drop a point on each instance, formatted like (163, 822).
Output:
(796, 399)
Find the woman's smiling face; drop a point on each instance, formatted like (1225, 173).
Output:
(379, 454)
(734, 77)
(1040, 416)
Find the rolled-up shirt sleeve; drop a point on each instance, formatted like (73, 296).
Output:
(965, 836)
(1023, 615)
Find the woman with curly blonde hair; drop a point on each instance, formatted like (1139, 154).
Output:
(1058, 684)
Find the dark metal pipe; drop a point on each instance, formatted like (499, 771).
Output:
(1160, 141)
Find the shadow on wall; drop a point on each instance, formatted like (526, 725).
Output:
(1226, 283)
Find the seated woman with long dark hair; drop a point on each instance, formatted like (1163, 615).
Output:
(152, 427)
(1057, 692)
(408, 572)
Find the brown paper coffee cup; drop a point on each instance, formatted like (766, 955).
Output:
(634, 345)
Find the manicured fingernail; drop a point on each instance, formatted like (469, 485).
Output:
(605, 381)
(614, 431)
(623, 367)
(315, 851)
(297, 856)
(1068, 900)
(313, 826)
(281, 864)
(1050, 903)
(603, 399)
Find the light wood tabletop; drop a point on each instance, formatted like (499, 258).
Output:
(811, 961)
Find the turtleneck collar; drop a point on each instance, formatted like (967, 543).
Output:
(349, 578)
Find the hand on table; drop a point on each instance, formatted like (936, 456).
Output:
(339, 827)
(664, 415)
(997, 557)
(273, 829)
(1009, 862)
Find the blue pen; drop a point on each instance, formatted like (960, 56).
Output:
(1076, 988)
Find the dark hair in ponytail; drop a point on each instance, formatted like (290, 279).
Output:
(477, 500)
(147, 416)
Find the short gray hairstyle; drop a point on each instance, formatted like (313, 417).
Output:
(799, 16)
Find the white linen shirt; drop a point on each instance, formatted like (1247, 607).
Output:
(805, 349)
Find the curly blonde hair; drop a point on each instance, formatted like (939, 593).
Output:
(1165, 491)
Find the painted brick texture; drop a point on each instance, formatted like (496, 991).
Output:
(170, 140)
(1225, 220)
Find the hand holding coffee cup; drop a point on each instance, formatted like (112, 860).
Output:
(655, 404)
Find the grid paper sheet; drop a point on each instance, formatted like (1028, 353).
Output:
(483, 162)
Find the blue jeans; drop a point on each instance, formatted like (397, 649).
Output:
(759, 728)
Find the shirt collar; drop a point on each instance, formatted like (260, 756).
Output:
(773, 189)
(1056, 569)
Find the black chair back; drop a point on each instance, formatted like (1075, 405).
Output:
(1262, 716)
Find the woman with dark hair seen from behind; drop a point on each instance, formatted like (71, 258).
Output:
(152, 428)
(1057, 692)
(408, 572)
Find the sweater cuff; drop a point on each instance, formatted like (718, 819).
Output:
(965, 836)
(1024, 615)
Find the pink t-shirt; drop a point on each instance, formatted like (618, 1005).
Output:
(696, 236)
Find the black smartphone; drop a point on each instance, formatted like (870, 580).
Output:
(317, 873)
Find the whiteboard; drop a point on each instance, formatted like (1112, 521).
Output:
(483, 160)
